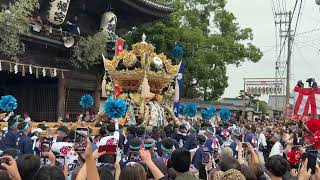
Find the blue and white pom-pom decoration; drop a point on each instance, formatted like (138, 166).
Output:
(225, 114)
(115, 108)
(181, 108)
(8, 103)
(190, 109)
(86, 101)
(208, 113)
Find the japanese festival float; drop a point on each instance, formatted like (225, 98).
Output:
(145, 80)
(305, 113)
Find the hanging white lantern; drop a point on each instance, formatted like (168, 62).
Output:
(43, 72)
(109, 24)
(15, 68)
(30, 69)
(58, 11)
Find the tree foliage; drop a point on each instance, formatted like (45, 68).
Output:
(13, 22)
(263, 107)
(211, 39)
(88, 51)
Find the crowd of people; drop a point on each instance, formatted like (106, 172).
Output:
(194, 149)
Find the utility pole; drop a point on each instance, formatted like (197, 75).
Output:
(285, 32)
(289, 36)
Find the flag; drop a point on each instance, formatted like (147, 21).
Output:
(306, 101)
(119, 48)
(178, 87)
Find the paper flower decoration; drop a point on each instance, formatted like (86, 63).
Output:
(115, 108)
(86, 101)
(8, 103)
(225, 114)
(190, 109)
(208, 113)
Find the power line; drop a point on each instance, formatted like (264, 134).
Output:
(307, 32)
(305, 60)
(297, 21)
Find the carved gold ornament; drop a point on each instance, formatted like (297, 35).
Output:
(129, 68)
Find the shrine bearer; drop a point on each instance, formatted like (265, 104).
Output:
(24, 142)
(191, 141)
(9, 139)
(212, 142)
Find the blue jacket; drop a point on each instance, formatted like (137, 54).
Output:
(25, 145)
(233, 146)
(197, 158)
(190, 142)
(208, 144)
(248, 137)
(9, 140)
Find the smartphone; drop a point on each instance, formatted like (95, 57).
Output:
(45, 147)
(109, 149)
(3, 160)
(80, 140)
(312, 156)
(296, 148)
(60, 162)
(244, 145)
(205, 156)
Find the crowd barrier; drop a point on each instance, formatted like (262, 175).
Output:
(53, 126)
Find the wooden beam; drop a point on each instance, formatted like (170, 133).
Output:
(97, 92)
(61, 98)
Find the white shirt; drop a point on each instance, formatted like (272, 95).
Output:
(262, 140)
(277, 149)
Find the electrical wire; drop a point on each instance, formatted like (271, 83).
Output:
(307, 32)
(288, 33)
(297, 21)
(305, 60)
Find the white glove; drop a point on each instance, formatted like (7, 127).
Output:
(8, 117)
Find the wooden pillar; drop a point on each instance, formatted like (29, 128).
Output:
(97, 92)
(61, 98)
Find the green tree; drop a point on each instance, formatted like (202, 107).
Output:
(211, 39)
(263, 107)
(13, 22)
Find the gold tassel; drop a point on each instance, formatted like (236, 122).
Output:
(62, 75)
(176, 92)
(103, 87)
(145, 88)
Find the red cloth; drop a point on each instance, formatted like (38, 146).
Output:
(117, 88)
(119, 48)
(306, 100)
